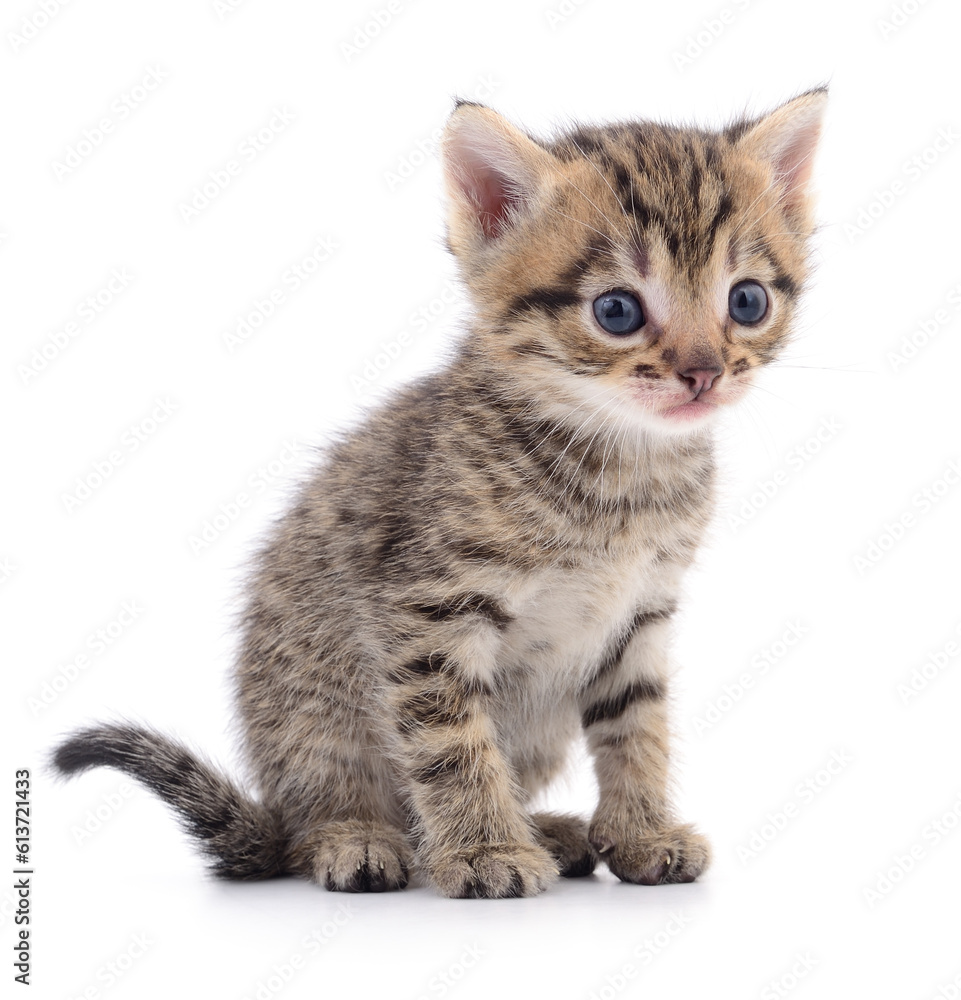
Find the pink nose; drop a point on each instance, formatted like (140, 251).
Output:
(700, 379)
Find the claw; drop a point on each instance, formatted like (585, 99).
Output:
(602, 844)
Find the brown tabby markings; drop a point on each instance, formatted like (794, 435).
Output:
(489, 564)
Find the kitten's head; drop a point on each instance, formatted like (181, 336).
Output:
(636, 272)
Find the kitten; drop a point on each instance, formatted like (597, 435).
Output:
(489, 564)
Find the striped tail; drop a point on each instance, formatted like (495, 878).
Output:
(240, 836)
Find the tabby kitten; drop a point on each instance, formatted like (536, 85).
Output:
(489, 564)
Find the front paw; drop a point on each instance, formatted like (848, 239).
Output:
(492, 871)
(660, 857)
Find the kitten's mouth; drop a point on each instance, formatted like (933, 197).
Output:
(685, 411)
(693, 409)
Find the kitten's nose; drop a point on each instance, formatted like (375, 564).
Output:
(700, 379)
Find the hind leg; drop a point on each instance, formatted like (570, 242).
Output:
(321, 768)
(565, 839)
(347, 828)
(352, 855)
(350, 830)
(350, 837)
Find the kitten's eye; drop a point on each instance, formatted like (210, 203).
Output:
(618, 313)
(747, 303)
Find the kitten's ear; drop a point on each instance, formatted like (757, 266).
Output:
(787, 139)
(493, 172)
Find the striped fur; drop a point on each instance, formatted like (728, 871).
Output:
(489, 564)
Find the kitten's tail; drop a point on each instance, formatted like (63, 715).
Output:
(242, 837)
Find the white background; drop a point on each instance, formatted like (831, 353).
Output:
(845, 436)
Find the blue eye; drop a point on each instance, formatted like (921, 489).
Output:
(747, 303)
(618, 313)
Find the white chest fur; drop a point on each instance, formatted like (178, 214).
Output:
(565, 621)
(565, 618)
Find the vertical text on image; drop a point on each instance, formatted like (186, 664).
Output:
(23, 949)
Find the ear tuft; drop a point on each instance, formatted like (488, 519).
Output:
(492, 171)
(787, 139)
